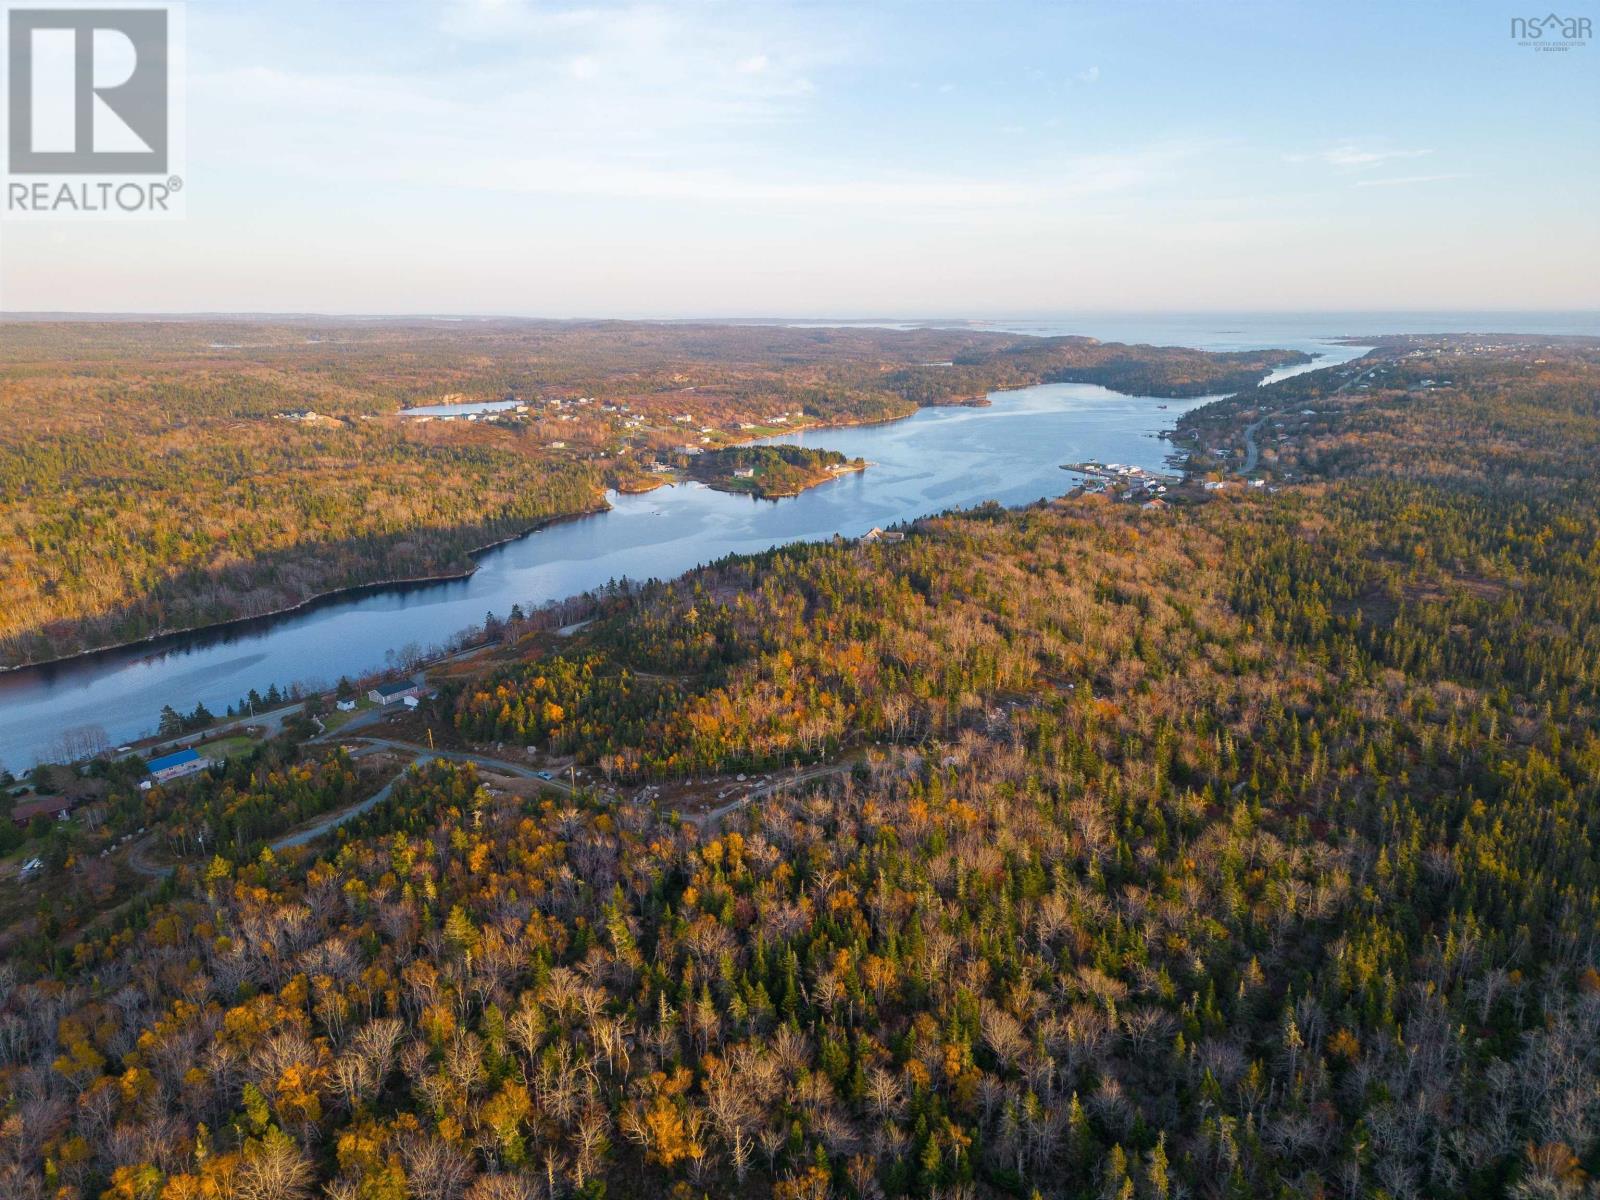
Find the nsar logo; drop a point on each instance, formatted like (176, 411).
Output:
(1551, 32)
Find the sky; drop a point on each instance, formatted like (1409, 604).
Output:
(936, 158)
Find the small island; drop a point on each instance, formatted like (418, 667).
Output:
(769, 472)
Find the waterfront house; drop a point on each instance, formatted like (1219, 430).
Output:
(176, 765)
(393, 693)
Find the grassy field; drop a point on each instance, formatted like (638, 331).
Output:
(337, 720)
(227, 747)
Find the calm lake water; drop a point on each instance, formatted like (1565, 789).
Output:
(460, 410)
(1011, 451)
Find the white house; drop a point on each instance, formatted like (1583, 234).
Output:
(393, 693)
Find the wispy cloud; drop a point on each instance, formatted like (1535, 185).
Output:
(1403, 180)
(1075, 178)
(637, 103)
(579, 91)
(638, 64)
(440, 156)
(1355, 156)
(1091, 75)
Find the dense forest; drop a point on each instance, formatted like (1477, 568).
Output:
(1249, 847)
(157, 476)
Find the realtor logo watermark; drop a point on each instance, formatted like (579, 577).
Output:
(1551, 32)
(94, 110)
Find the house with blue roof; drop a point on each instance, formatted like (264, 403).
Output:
(176, 765)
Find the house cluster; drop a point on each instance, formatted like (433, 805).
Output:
(1145, 489)
(1120, 481)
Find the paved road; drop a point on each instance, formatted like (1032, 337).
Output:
(139, 861)
(271, 722)
(1252, 452)
(482, 760)
(422, 755)
(329, 824)
(361, 720)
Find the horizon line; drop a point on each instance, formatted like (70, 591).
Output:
(767, 318)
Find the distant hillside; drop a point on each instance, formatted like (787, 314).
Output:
(161, 476)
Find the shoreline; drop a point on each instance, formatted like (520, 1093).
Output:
(335, 595)
(320, 599)
(834, 474)
(353, 590)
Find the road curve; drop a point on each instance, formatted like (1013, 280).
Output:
(1252, 452)
(423, 755)
(708, 820)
